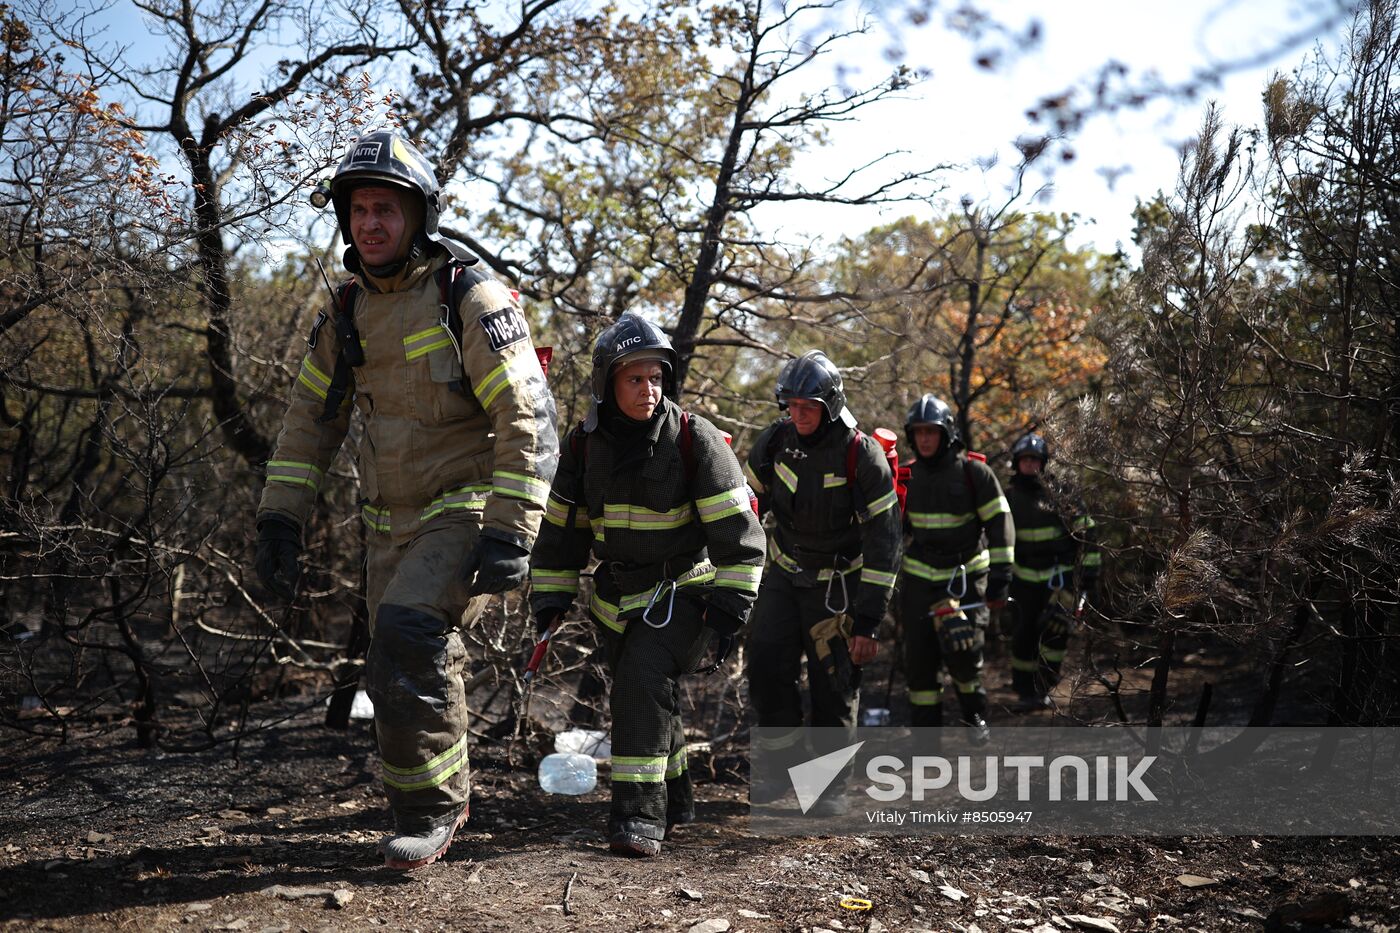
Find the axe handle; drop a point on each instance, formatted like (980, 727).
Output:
(537, 655)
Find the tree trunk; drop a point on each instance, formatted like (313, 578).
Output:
(697, 291)
(242, 437)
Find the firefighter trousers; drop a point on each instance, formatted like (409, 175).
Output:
(418, 608)
(788, 623)
(1037, 647)
(650, 779)
(928, 651)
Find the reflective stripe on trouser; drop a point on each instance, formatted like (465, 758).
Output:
(780, 635)
(649, 777)
(418, 608)
(925, 655)
(1036, 655)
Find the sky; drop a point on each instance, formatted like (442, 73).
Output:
(964, 113)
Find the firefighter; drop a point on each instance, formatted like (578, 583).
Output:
(831, 568)
(956, 568)
(656, 494)
(459, 447)
(1055, 570)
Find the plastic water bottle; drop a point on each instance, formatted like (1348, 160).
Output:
(875, 716)
(593, 742)
(570, 773)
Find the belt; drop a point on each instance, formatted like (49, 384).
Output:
(633, 578)
(813, 560)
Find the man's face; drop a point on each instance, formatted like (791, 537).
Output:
(377, 225)
(637, 388)
(806, 415)
(1029, 466)
(927, 439)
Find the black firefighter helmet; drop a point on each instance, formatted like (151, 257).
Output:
(1032, 445)
(813, 376)
(384, 157)
(930, 409)
(629, 340)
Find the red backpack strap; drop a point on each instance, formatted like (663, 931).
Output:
(967, 476)
(852, 449)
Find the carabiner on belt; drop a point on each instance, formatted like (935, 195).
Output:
(960, 575)
(845, 596)
(655, 598)
(1057, 578)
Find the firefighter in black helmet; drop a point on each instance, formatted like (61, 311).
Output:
(831, 561)
(1056, 566)
(656, 494)
(956, 567)
(459, 448)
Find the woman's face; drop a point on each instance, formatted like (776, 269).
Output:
(637, 388)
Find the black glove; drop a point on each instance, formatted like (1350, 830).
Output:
(865, 626)
(998, 584)
(495, 566)
(275, 555)
(723, 622)
(544, 618)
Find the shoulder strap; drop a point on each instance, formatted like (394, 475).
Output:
(770, 452)
(578, 446)
(348, 355)
(687, 445)
(967, 478)
(852, 450)
(454, 280)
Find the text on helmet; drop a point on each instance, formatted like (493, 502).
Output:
(365, 152)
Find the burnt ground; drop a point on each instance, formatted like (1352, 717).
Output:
(97, 834)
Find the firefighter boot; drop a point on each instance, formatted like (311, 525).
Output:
(974, 716)
(1031, 703)
(1031, 696)
(635, 838)
(680, 802)
(417, 842)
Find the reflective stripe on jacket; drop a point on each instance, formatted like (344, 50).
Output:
(635, 507)
(821, 524)
(1049, 542)
(956, 518)
(437, 436)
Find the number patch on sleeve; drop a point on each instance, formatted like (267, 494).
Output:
(504, 327)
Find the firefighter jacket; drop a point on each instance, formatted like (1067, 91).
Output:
(822, 521)
(956, 517)
(442, 432)
(1050, 543)
(650, 514)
